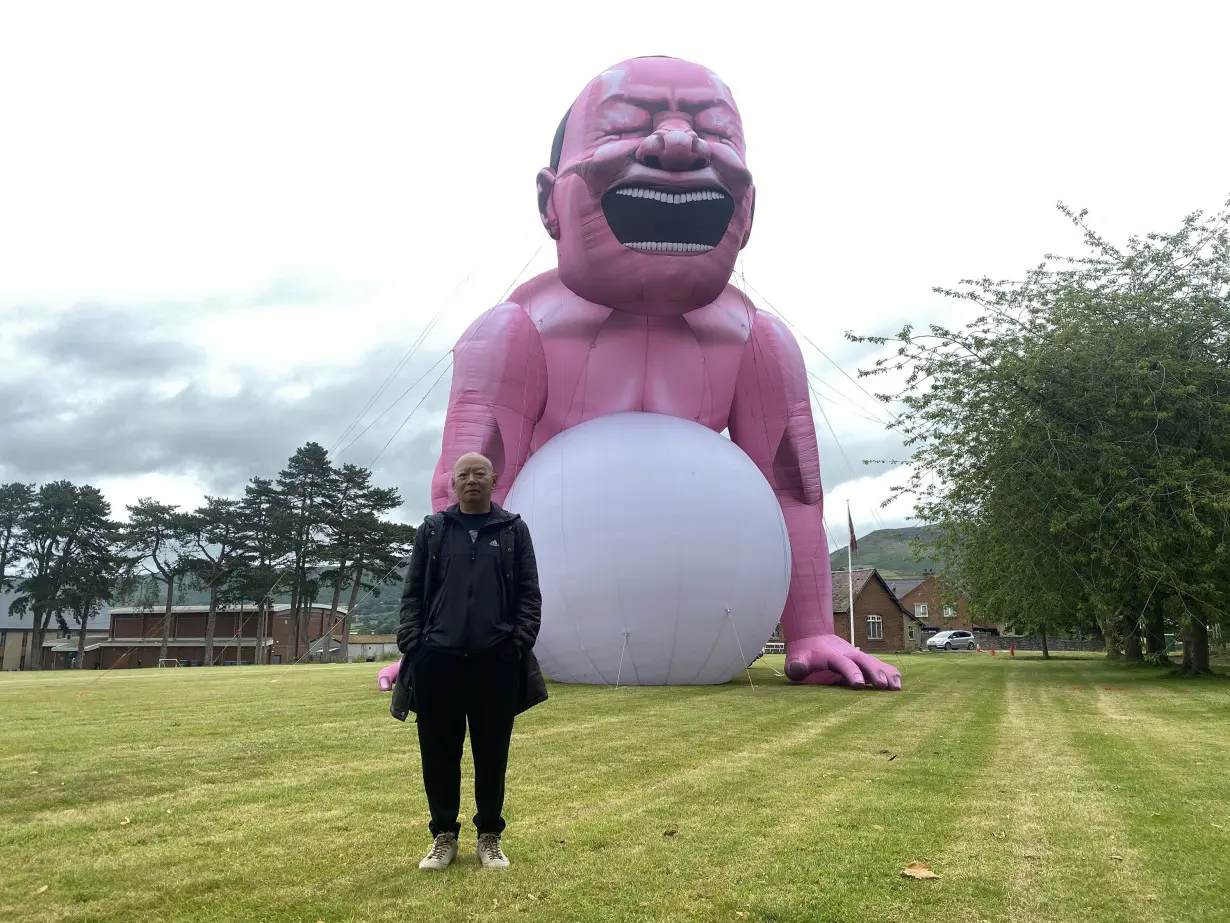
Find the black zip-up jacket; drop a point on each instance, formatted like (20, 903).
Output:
(469, 596)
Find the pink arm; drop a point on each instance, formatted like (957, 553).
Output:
(771, 420)
(498, 394)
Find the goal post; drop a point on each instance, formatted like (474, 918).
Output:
(168, 662)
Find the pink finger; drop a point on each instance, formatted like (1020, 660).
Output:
(801, 667)
(873, 669)
(848, 670)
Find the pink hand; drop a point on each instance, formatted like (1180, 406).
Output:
(388, 676)
(827, 660)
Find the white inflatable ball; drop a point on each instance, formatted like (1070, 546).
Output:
(662, 552)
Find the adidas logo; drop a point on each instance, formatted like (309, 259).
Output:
(495, 544)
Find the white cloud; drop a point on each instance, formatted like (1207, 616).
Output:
(865, 496)
(185, 491)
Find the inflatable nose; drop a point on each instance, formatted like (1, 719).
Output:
(674, 150)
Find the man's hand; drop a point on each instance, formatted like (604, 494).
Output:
(406, 644)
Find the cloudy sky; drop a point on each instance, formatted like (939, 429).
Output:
(223, 226)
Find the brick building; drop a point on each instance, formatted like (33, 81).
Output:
(881, 623)
(937, 606)
(134, 638)
(17, 636)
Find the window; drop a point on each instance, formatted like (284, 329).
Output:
(875, 628)
(948, 612)
(911, 631)
(920, 610)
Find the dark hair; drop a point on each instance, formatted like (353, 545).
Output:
(557, 145)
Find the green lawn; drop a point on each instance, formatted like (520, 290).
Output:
(268, 794)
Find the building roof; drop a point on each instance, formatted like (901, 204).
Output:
(862, 577)
(900, 586)
(203, 609)
(373, 639)
(8, 621)
(70, 644)
(841, 586)
(174, 642)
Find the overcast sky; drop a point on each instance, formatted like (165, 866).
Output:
(223, 225)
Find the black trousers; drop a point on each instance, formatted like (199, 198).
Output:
(449, 691)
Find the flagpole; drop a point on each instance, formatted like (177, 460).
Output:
(850, 570)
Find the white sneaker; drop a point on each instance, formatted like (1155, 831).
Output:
(489, 852)
(442, 854)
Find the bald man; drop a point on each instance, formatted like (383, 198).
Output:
(470, 612)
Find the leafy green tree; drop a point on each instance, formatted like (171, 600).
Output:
(1069, 443)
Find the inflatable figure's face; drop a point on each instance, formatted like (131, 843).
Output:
(651, 200)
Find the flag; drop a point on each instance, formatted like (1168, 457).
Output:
(853, 540)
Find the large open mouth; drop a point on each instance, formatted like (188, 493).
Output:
(671, 220)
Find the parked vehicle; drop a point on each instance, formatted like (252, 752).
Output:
(952, 641)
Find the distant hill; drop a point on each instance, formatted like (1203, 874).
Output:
(888, 551)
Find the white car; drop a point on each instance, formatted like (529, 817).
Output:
(952, 641)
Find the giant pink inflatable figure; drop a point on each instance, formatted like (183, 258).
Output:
(650, 201)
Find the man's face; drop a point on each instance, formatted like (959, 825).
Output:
(652, 200)
(473, 480)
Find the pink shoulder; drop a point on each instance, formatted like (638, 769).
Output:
(544, 285)
(503, 324)
(772, 327)
(772, 331)
(768, 331)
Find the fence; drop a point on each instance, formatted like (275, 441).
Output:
(1002, 643)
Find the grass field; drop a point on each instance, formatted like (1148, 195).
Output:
(1070, 790)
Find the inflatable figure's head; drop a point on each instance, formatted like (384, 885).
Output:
(648, 195)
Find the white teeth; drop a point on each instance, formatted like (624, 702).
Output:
(670, 198)
(669, 246)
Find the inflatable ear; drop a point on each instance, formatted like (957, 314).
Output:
(751, 217)
(546, 206)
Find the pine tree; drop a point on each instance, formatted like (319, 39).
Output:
(308, 486)
(354, 517)
(96, 574)
(157, 540)
(216, 562)
(65, 523)
(265, 536)
(16, 503)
